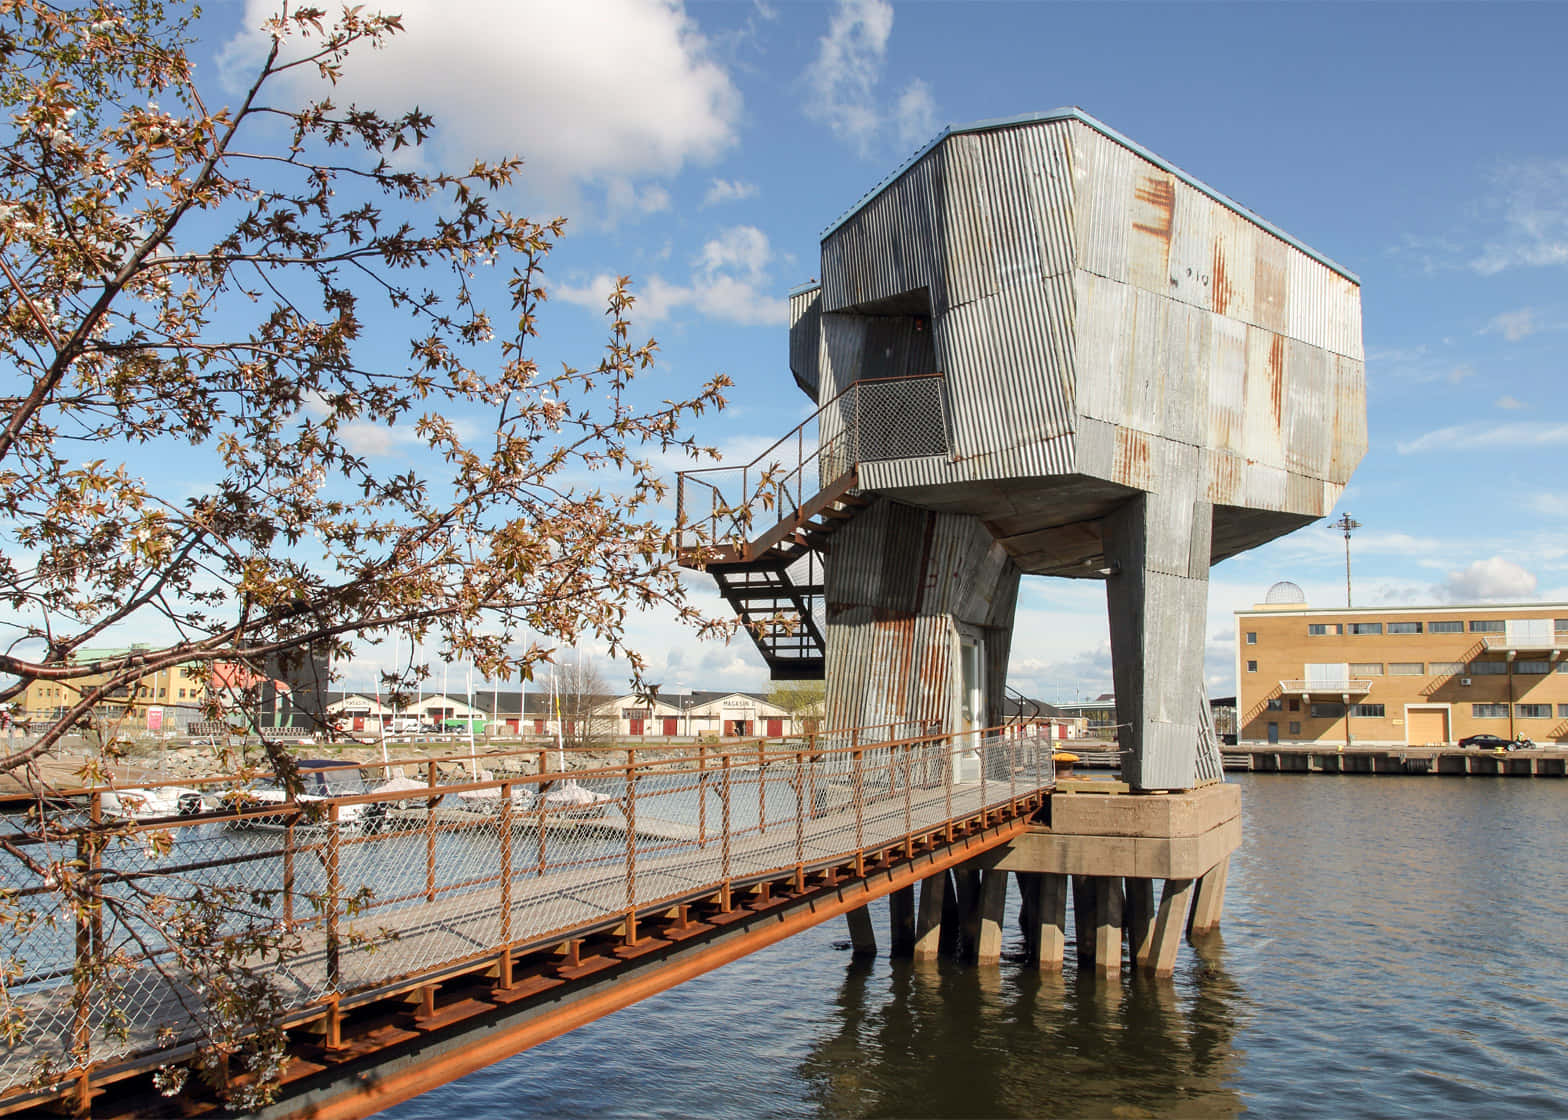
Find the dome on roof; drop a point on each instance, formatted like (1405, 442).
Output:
(1285, 592)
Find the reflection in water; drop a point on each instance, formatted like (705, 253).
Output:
(1391, 948)
(951, 1040)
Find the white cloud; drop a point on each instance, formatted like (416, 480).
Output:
(915, 114)
(1509, 402)
(841, 81)
(1534, 218)
(593, 94)
(1553, 505)
(1498, 436)
(1494, 578)
(728, 190)
(1513, 325)
(729, 282)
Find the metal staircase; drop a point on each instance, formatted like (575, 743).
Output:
(809, 482)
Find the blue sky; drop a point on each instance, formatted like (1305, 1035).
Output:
(702, 150)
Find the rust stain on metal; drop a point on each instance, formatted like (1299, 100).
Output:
(1131, 465)
(1159, 192)
(1221, 288)
(1277, 378)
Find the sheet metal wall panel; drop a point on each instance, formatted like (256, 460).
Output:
(1051, 190)
(1350, 418)
(968, 250)
(1233, 266)
(1185, 364)
(1190, 277)
(1227, 383)
(1263, 442)
(1309, 410)
(1102, 342)
(1102, 186)
(889, 247)
(805, 340)
(1307, 299)
(1270, 284)
(1152, 217)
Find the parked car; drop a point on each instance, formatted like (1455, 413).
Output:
(1485, 741)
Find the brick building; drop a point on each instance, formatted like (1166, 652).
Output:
(1400, 675)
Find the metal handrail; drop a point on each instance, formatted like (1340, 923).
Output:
(765, 484)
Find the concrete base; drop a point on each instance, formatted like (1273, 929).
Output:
(1113, 848)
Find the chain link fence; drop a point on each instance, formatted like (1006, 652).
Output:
(125, 937)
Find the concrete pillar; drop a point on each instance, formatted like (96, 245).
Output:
(993, 904)
(1175, 898)
(1049, 933)
(862, 937)
(1138, 915)
(1108, 923)
(1029, 886)
(966, 888)
(1157, 599)
(900, 582)
(928, 923)
(901, 920)
(1083, 917)
(1209, 903)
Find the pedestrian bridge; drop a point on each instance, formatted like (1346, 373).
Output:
(457, 912)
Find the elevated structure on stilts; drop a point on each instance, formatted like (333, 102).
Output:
(1039, 348)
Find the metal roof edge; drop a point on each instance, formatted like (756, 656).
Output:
(802, 289)
(1077, 114)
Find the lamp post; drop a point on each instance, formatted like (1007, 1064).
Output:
(1348, 524)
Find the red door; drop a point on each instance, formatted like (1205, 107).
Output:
(538, 727)
(669, 725)
(775, 728)
(636, 726)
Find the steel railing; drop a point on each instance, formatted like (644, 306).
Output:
(351, 893)
(873, 419)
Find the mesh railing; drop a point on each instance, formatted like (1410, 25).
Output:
(885, 418)
(125, 937)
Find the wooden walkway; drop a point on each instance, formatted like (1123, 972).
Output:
(420, 943)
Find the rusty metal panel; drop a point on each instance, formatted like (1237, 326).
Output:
(1233, 266)
(1152, 218)
(1226, 475)
(1350, 418)
(1227, 383)
(1263, 439)
(1308, 299)
(1270, 284)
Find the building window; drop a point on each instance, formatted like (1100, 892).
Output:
(1452, 626)
(1447, 668)
(1252, 666)
(1488, 668)
(1560, 625)
(1295, 726)
(1367, 711)
(1562, 711)
(1295, 705)
(1252, 637)
(1532, 668)
(1277, 704)
(1366, 628)
(1366, 668)
(1404, 628)
(1533, 711)
(1487, 626)
(1318, 629)
(1562, 666)
(1489, 711)
(1327, 710)
(1406, 669)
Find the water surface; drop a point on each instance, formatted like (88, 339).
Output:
(1392, 947)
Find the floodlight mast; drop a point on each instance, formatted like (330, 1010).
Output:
(1348, 524)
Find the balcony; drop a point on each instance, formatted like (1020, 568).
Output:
(1347, 686)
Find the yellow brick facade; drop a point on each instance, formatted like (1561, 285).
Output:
(1412, 675)
(173, 686)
